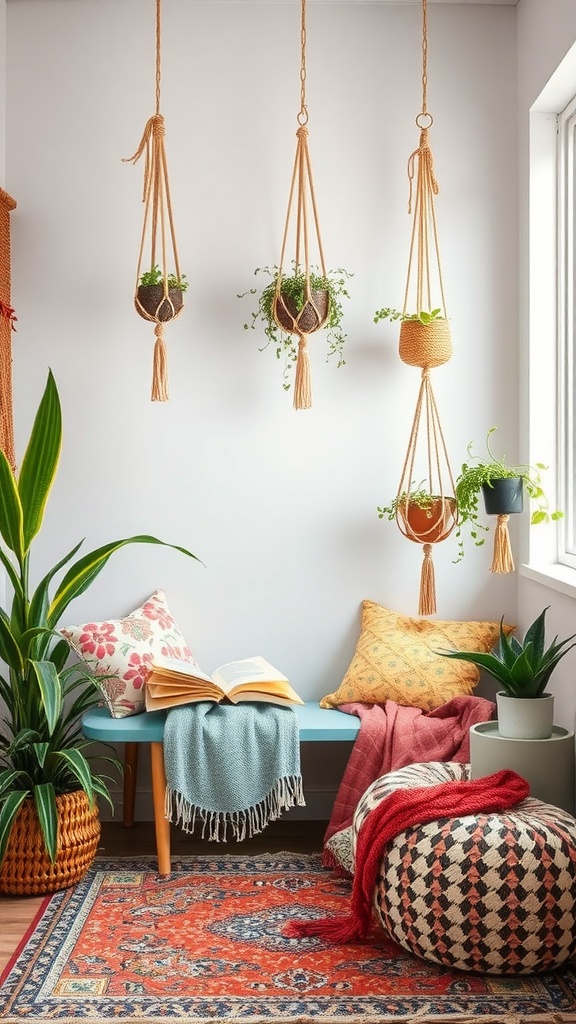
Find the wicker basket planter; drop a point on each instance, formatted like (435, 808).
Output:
(152, 304)
(312, 317)
(28, 871)
(428, 525)
(425, 345)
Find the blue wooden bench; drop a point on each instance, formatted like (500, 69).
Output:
(316, 725)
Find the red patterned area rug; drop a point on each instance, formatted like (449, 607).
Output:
(206, 946)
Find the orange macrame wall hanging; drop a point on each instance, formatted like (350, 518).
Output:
(7, 326)
(425, 341)
(160, 287)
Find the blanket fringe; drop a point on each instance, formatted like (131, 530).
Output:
(217, 826)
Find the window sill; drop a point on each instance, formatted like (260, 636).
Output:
(556, 576)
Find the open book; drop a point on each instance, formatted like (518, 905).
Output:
(174, 682)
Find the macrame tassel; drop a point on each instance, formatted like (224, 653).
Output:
(160, 369)
(427, 604)
(302, 380)
(502, 560)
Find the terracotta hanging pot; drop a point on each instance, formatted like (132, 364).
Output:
(428, 525)
(152, 304)
(312, 317)
(425, 345)
(504, 497)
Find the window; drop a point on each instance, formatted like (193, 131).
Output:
(566, 328)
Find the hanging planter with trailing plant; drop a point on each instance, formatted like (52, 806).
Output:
(294, 306)
(502, 488)
(159, 293)
(429, 513)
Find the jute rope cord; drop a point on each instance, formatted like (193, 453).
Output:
(502, 559)
(7, 325)
(421, 205)
(436, 522)
(158, 222)
(315, 312)
(426, 346)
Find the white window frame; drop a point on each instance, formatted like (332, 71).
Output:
(566, 331)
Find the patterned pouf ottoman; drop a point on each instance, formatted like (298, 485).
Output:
(484, 892)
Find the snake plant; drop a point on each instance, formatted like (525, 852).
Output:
(42, 751)
(523, 668)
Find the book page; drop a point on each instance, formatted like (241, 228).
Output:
(246, 670)
(176, 669)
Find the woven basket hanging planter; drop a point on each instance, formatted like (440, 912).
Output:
(315, 311)
(425, 345)
(158, 302)
(27, 869)
(425, 341)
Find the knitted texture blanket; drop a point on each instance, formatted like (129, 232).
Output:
(232, 768)
(400, 810)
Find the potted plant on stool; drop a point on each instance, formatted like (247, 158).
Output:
(49, 821)
(523, 669)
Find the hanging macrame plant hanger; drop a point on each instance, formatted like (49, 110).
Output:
(425, 342)
(315, 310)
(160, 298)
(7, 326)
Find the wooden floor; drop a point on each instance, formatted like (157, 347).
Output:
(17, 912)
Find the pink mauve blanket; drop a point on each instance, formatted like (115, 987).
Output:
(392, 736)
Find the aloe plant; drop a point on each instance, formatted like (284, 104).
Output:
(523, 669)
(42, 750)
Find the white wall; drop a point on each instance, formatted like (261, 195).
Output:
(546, 35)
(280, 505)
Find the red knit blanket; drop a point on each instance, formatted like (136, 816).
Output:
(392, 736)
(402, 809)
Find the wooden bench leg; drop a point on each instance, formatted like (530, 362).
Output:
(130, 780)
(161, 823)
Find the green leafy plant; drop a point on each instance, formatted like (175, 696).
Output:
(42, 751)
(417, 495)
(155, 277)
(294, 287)
(484, 470)
(423, 316)
(522, 668)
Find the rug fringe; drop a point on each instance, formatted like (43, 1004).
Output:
(241, 825)
(546, 1018)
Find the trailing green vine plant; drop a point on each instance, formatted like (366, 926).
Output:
(424, 317)
(293, 286)
(483, 470)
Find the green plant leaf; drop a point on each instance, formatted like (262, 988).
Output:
(86, 569)
(9, 808)
(535, 634)
(45, 803)
(11, 514)
(80, 769)
(486, 661)
(50, 692)
(40, 461)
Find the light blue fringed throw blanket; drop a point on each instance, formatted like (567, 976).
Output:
(231, 767)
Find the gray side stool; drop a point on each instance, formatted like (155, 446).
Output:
(548, 765)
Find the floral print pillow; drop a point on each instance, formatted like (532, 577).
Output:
(119, 652)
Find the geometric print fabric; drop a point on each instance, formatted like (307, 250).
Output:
(494, 893)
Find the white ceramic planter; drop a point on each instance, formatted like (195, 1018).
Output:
(525, 718)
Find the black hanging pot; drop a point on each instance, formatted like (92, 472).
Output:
(504, 497)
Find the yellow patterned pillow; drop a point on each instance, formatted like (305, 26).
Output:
(395, 660)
